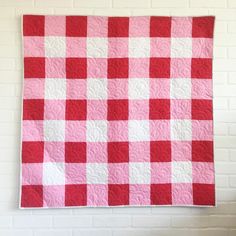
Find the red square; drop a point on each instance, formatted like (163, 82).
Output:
(202, 151)
(160, 26)
(201, 68)
(76, 109)
(161, 194)
(118, 68)
(76, 26)
(75, 195)
(202, 109)
(118, 152)
(160, 151)
(204, 194)
(203, 27)
(118, 26)
(118, 109)
(118, 194)
(33, 109)
(159, 67)
(159, 109)
(32, 152)
(34, 67)
(75, 152)
(33, 25)
(76, 68)
(32, 196)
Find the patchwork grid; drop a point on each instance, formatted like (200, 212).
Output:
(117, 111)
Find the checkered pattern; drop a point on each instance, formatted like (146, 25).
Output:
(117, 111)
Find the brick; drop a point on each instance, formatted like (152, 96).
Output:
(52, 232)
(5, 221)
(221, 155)
(232, 129)
(16, 3)
(232, 77)
(208, 3)
(189, 12)
(32, 222)
(190, 221)
(112, 12)
(222, 181)
(232, 182)
(93, 3)
(221, 129)
(151, 221)
(72, 221)
(220, 103)
(131, 3)
(232, 52)
(225, 116)
(225, 195)
(170, 3)
(95, 232)
(231, 3)
(54, 3)
(225, 142)
(224, 64)
(7, 64)
(225, 167)
(12, 232)
(222, 221)
(111, 221)
(232, 155)
(33, 10)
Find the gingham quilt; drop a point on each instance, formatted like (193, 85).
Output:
(117, 111)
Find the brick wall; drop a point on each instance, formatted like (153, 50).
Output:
(220, 221)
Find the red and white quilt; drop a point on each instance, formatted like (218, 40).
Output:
(117, 111)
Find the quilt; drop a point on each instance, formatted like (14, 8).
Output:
(117, 111)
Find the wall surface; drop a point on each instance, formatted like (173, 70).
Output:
(220, 221)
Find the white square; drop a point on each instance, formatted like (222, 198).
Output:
(53, 173)
(181, 130)
(97, 47)
(96, 130)
(180, 88)
(97, 89)
(139, 130)
(139, 173)
(181, 47)
(139, 47)
(55, 88)
(54, 130)
(97, 173)
(55, 46)
(182, 172)
(139, 88)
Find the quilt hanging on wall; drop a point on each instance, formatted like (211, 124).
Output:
(117, 111)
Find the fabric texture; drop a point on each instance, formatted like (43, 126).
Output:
(117, 111)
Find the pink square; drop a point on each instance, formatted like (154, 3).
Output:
(201, 88)
(55, 25)
(203, 172)
(159, 88)
(118, 173)
(180, 68)
(32, 174)
(96, 152)
(181, 151)
(182, 194)
(76, 47)
(54, 196)
(138, 67)
(202, 130)
(181, 27)
(118, 89)
(97, 195)
(118, 130)
(55, 68)
(32, 130)
(96, 109)
(202, 47)
(34, 47)
(160, 47)
(139, 151)
(180, 109)
(139, 26)
(138, 109)
(97, 26)
(75, 173)
(54, 110)
(161, 172)
(97, 67)
(76, 89)
(118, 47)
(159, 130)
(75, 131)
(34, 88)
(54, 152)
(139, 194)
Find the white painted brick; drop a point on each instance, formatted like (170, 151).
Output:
(188, 11)
(222, 181)
(225, 39)
(7, 64)
(208, 3)
(73, 11)
(232, 181)
(232, 129)
(224, 64)
(91, 232)
(141, 232)
(219, 77)
(12, 232)
(221, 154)
(7, 38)
(151, 11)
(7, 12)
(232, 77)
(151, 221)
(9, 24)
(189, 221)
(225, 116)
(222, 221)
(6, 115)
(52, 232)
(220, 52)
(225, 142)
(72, 221)
(54, 3)
(32, 10)
(6, 89)
(132, 211)
(32, 221)
(92, 3)
(232, 232)
(171, 211)
(232, 3)
(5, 221)
(92, 211)
(220, 103)
(170, 3)
(225, 167)
(131, 3)
(16, 3)
(232, 155)
(226, 195)
(113, 12)
(232, 27)
(220, 27)
(112, 221)
(224, 14)
(221, 129)
(232, 52)
(224, 90)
